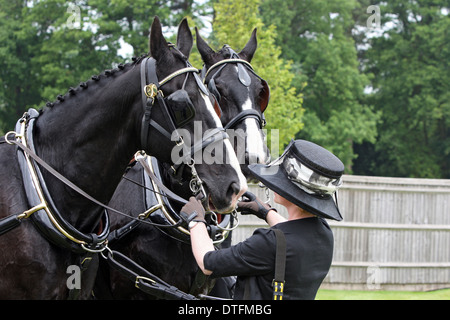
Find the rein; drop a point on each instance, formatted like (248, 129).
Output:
(143, 279)
(60, 177)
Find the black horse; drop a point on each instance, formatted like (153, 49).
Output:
(243, 96)
(166, 252)
(89, 136)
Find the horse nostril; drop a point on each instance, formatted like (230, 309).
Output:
(234, 189)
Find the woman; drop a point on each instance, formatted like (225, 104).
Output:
(304, 180)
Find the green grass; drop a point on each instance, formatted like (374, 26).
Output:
(382, 295)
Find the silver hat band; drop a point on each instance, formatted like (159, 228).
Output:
(309, 180)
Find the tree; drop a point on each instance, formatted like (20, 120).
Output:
(411, 66)
(316, 35)
(44, 53)
(51, 45)
(17, 88)
(233, 24)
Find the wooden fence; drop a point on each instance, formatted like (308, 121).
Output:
(395, 234)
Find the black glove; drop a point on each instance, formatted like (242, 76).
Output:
(254, 205)
(193, 211)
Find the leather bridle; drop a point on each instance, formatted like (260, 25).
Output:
(151, 93)
(243, 68)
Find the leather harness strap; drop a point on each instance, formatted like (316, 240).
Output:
(280, 268)
(280, 265)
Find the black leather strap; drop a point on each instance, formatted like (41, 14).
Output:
(249, 113)
(8, 223)
(145, 280)
(280, 265)
(280, 268)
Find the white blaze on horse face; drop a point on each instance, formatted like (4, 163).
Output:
(254, 137)
(231, 155)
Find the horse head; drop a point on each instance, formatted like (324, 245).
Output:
(242, 95)
(189, 132)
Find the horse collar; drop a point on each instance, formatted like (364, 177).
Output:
(44, 213)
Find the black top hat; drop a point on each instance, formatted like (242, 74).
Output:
(307, 175)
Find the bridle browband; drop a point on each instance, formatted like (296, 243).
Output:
(225, 61)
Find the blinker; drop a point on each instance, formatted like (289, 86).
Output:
(243, 75)
(181, 107)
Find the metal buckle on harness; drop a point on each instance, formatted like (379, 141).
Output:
(16, 136)
(278, 288)
(139, 278)
(99, 247)
(180, 141)
(151, 90)
(196, 184)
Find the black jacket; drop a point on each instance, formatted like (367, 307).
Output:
(308, 258)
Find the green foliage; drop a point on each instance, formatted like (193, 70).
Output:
(336, 114)
(316, 37)
(233, 24)
(380, 101)
(48, 47)
(411, 67)
(16, 85)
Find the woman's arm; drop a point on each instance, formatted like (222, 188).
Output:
(201, 244)
(194, 214)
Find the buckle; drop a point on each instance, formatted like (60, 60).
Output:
(151, 90)
(278, 288)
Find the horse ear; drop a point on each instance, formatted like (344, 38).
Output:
(250, 48)
(205, 50)
(158, 44)
(184, 38)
